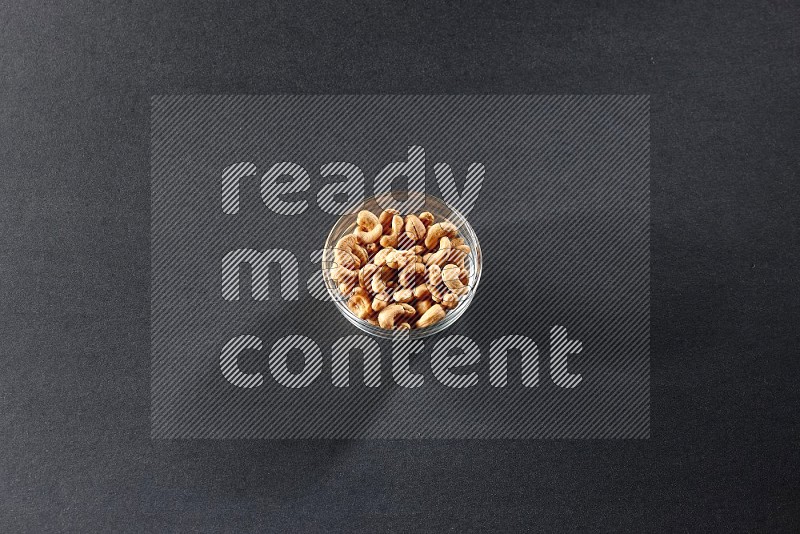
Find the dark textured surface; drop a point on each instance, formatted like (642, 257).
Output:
(75, 452)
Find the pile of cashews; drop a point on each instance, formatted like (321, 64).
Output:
(401, 273)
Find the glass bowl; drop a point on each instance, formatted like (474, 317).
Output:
(441, 211)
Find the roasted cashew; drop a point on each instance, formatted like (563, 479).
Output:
(451, 276)
(434, 282)
(414, 227)
(380, 257)
(368, 229)
(366, 274)
(386, 218)
(390, 239)
(393, 314)
(346, 288)
(397, 259)
(378, 285)
(380, 301)
(448, 254)
(464, 276)
(348, 253)
(412, 274)
(341, 274)
(422, 292)
(403, 295)
(449, 301)
(437, 231)
(440, 257)
(434, 314)
(423, 305)
(436, 285)
(360, 303)
(426, 218)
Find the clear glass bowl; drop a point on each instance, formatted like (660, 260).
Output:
(441, 211)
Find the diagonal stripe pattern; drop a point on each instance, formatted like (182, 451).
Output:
(557, 189)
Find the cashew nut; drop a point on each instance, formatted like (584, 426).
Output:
(403, 295)
(380, 256)
(397, 259)
(393, 314)
(437, 231)
(448, 254)
(366, 274)
(426, 218)
(440, 257)
(436, 285)
(341, 273)
(345, 277)
(380, 301)
(411, 274)
(360, 304)
(414, 227)
(459, 254)
(422, 292)
(434, 314)
(345, 288)
(422, 306)
(386, 218)
(368, 228)
(449, 301)
(390, 239)
(451, 276)
(348, 253)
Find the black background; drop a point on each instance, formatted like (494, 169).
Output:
(75, 452)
